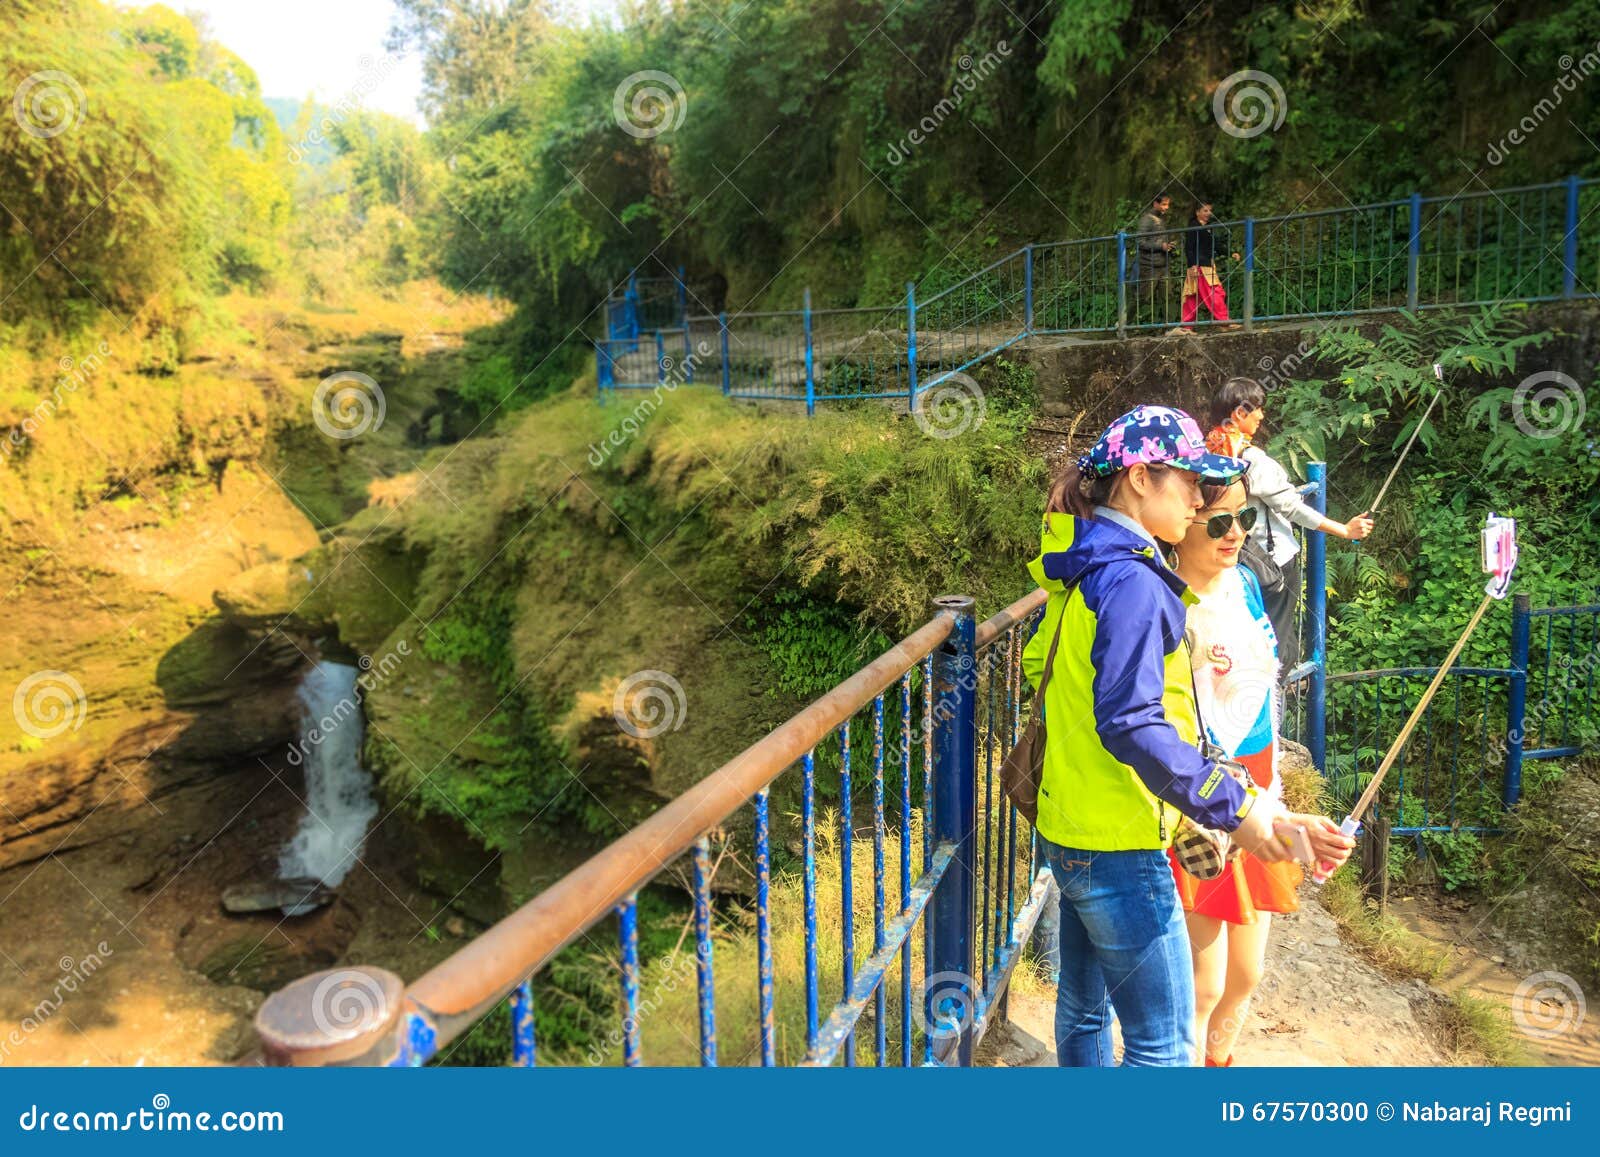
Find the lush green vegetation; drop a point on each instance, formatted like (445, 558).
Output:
(1401, 597)
(785, 161)
(1402, 592)
(143, 173)
(758, 557)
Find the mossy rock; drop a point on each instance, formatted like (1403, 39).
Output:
(274, 951)
(358, 590)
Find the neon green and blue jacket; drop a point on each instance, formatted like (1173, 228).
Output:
(1121, 759)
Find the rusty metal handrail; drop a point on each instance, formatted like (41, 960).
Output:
(455, 993)
(992, 628)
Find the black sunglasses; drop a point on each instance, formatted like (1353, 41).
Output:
(1219, 524)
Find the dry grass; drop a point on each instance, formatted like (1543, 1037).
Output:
(1473, 1031)
(668, 994)
(1389, 944)
(669, 1016)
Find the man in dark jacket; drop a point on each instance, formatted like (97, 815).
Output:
(1155, 248)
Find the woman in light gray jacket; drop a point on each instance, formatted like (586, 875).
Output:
(1236, 414)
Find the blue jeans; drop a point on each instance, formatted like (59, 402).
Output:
(1124, 946)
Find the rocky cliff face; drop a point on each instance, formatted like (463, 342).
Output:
(127, 684)
(131, 505)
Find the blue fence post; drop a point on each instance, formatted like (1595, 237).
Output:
(631, 299)
(948, 987)
(683, 296)
(1122, 284)
(1414, 252)
(1027, 290)
(727, 376)
(811, 367)
(1517, 700)
(688, 355)
(1569, 248)
(705, 976)
(1317, 614)
(628, 935)
(524, 1046)
(661, 359)
(911, 345)
(1249, 274)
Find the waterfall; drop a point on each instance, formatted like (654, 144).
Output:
(339, 799)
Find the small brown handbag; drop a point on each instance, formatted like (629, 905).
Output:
(1201, 851)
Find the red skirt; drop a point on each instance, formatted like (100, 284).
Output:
(1247, 886)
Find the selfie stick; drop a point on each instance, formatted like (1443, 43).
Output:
(1499, 546)
(1438, 372)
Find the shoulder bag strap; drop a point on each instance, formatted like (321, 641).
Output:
(1055, 641)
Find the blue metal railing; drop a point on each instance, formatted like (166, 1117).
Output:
(656, 359)
(1451, 775)
(965, 677)
(1560, 714)
(1467, 756)
(1305, 687)
(642, 304)
(1530, 243)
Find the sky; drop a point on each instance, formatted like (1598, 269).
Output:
(326, 48)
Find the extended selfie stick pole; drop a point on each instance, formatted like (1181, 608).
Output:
(1438, 372)
(1499, 544)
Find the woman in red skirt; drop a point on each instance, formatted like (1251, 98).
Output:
(1233, 652)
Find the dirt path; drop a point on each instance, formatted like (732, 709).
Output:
(1320, 1004)
(1547, 1006)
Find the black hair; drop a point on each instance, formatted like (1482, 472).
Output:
(1235, 392)
(1212, 492)
(1161, 196)
(1075, 493)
